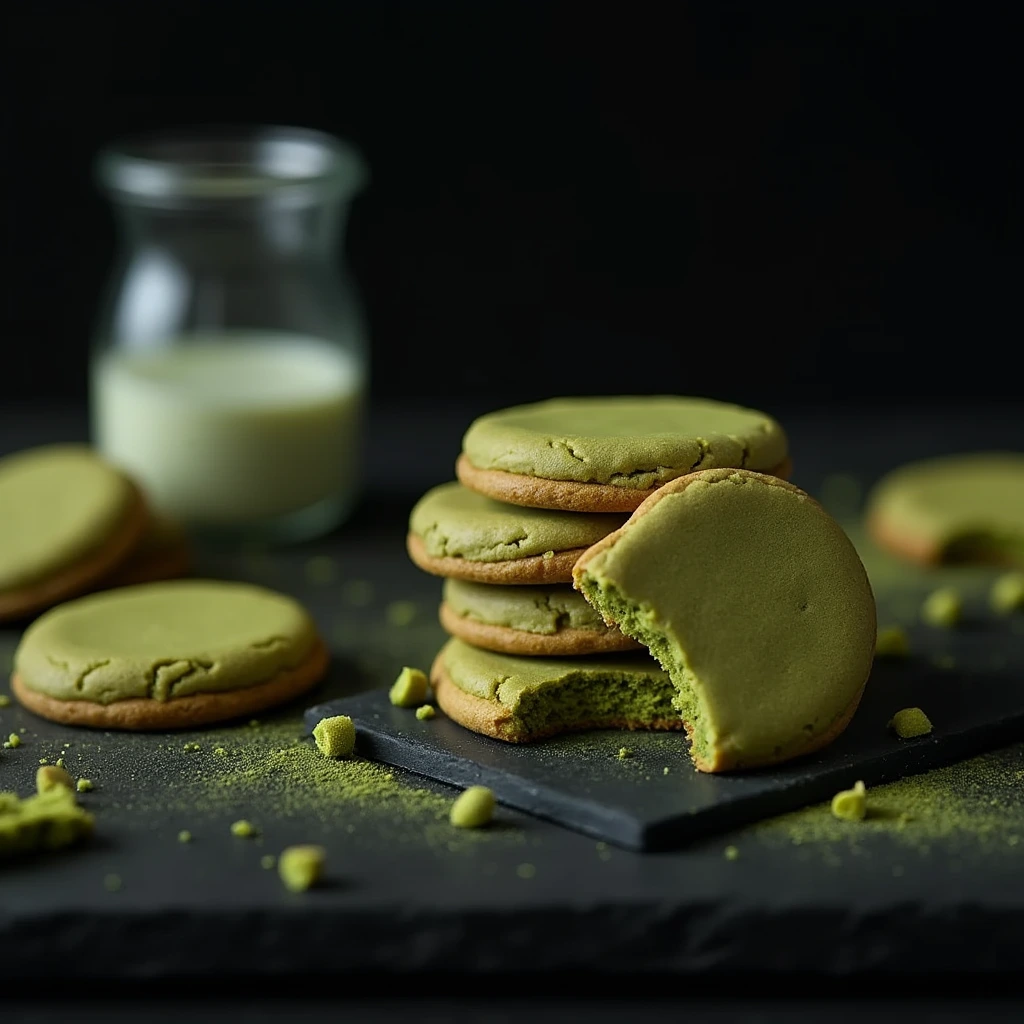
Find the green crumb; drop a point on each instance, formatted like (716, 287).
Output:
(401, 613)
(84, 785)
(191, 748)
(526, 871)
(321, 569)
(60, 762)
(1007, 593)
(731, 852)
(851, 804)
(46, 821)
(335, 737)
(910, 723)
(548, 554)
(268, 862)
(892, 642)
(44, 760)
(300, 867)
(358, 593)
(942, 608)
(184, 836)
(220, 752)
(254, 723)
(409, 689)
(243, 829)
(14, 740)
(665, 771)
(425, 712)
(112, 883)
(623, 753)
(473, 808)
(5, 701)
(51, 777)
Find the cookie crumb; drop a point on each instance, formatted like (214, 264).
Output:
(665, 770)
(851, 804)
(243, 829)
(548, 554)
(526, 871)
(731, 852)
(1007, 594)
(191, 748)
(892, 642)
(942, 608)
(184, 836)
(268, 862)
(50, 777)
(623, 753)
(220, 752)
(14, 740)
(409, 689)
(473, 808)
(425, 712)
(84, 785)
(401, 613)
(300, 867)
(112, 883)
(910, 723)
(5, 701)
(336, 736)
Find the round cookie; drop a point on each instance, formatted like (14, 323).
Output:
(608, 454)
(523, 699)
(456, 532)
(162, 554)
(955, 508)
(547, 621)
(67, 519)
(754, 600)
(167, 655)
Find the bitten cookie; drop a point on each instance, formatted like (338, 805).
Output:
(167, 655)
(754, 600)
(67, 519)
(524, 699)
(456, 532)
(958, 508)
(547, 621)
(609, 454)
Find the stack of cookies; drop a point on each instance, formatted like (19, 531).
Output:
(543, 487)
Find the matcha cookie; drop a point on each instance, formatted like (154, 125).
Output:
(609, 454)
(67, 519)
(456, 532)
(956, 508)
(754, 600)
(524, 699)
(549, 621)
(167, 655)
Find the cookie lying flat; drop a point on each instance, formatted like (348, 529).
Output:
(524, 699)
(67, 519)
(548, 621)
(167, 655)
(754, 600)
(952, 509)
(456, 532)
(609, 454)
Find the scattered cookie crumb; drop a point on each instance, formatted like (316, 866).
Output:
(910, 723)
(268, 862)
(191, 748)
(472, 808)
(300, 867)
(1007, 593)
(243, 829)
(526, 871)
(548, 554)
(5, 701)
(44, 760)
(409, 689)
(425, 712)
(50, 777)
(321, 569)
(401, 613)
(184, 836)
(624, 752)
(892, 642)
(336, 736)
(14, 740)
(112, 883)
(666, 770)
(84, 785)
(731, 852)
(220, 752)
(851, 804)
(942, 608)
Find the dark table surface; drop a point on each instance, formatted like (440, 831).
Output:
(405, 892)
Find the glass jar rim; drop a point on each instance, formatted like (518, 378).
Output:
(231, 162)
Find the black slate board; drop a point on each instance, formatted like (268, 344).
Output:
(970, 681)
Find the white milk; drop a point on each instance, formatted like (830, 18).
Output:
(226, 433)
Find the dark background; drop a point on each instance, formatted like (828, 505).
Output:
(821, 201)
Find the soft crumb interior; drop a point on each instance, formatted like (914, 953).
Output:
(638, 623)
(592, 701)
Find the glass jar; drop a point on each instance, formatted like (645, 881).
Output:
(229, 364)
